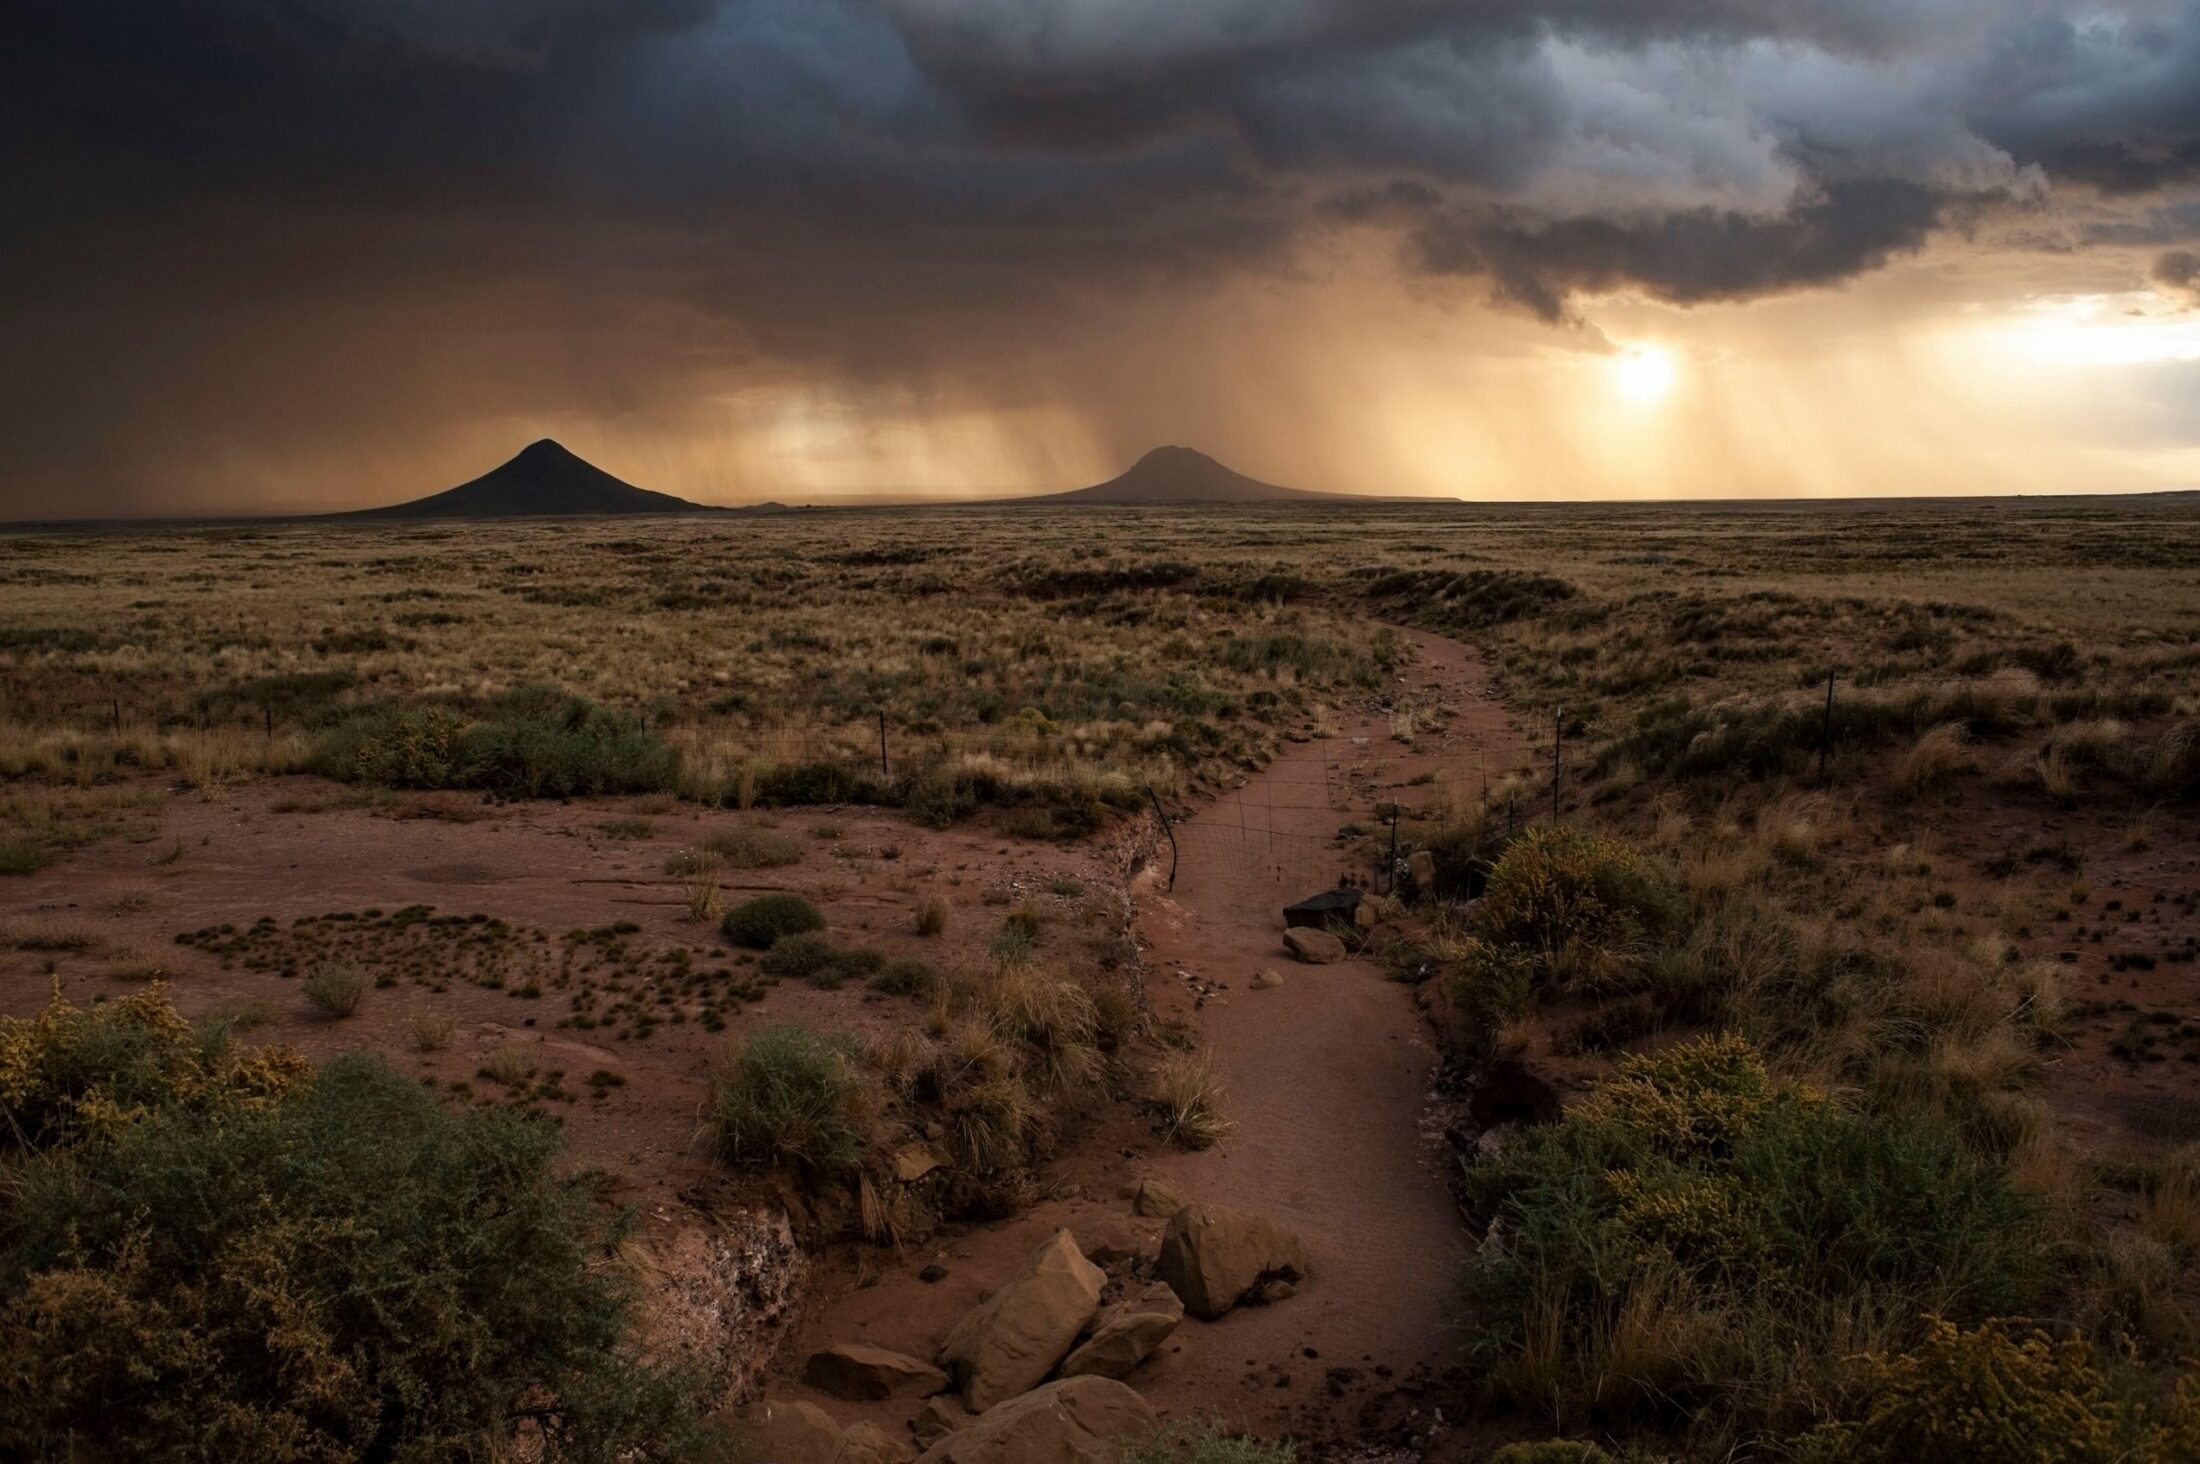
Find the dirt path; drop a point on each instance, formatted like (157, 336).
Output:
(1328, 1074)
(1329, 1081)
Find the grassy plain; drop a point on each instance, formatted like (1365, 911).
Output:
(1921, 969)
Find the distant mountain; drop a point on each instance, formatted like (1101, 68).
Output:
(543, 479)
(1180, 475)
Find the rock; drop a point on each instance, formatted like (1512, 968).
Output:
(867, 1443)
(1109, 1240)
(1126, 1334)
(1363, 914)
(1267, 978)
(803, 1433)
(1421, 866)
(1213, 1256)
(1011, 1341)
(932, 1274)
(1314, 947)
(1268, 1293)
(1155, 1200)
(1074, 1421)
(866, 1374)
(913, 1162)
(938, 1418)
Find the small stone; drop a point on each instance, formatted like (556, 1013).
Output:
(932, 1274)
(1267, 978)
(914, 1161)
(1155, 1200)
(1314, 947)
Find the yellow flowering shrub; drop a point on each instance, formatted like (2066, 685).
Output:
(75, 1074)
(1987, 1395)
(1568, 893)
(1692, 1097)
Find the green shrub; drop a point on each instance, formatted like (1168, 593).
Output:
(796, 1099)
(906, 976)
(760, 922)
(338, 1269)
(21, 856)
(1697, 1238)
(1551, 1451)
(544, 744)
(335, 988)
(800, 784)
(811, 956)
(537, 743)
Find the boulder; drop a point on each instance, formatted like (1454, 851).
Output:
(803, 1433)
(1155, 1200)
(1074, 1421)
(1267, 978)
(1009, 1342)
(866, 1374)
(938, 1418)
(1421, 867)
(1314, 947)
(1213, 1256)
(1109, 1240)
(1126, 1334)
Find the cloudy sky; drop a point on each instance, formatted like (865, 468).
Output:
(292, 254)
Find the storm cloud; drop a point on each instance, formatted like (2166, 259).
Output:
(649, 196)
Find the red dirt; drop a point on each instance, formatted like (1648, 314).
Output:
(541, 865)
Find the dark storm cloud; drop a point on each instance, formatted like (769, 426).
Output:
(1690, 257)
(887, 186)
(2179, 270)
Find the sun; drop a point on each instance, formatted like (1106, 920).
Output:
(1645, 375)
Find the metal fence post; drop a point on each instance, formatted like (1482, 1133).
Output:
(1558, 756)
(1157, 813)
(1825, 736)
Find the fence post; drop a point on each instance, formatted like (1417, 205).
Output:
(883, 770)
(1825, 736)
(118, 715)
(268, 713)
(1392, 867)
(1558, 754)
(1157, 813)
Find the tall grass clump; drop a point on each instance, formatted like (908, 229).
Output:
(1187, 1101)
(1208, 1441)
(200, 1250)
(767, 919)
(795, 1099)
(751, 846)
(335, 988)
(1698, 1243)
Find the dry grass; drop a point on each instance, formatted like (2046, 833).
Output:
(431, 1031)
(1187, 1099)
